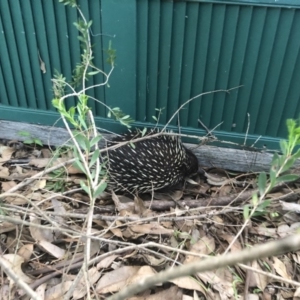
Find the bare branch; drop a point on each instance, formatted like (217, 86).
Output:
(291, 243)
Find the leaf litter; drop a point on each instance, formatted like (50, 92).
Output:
(43, 234)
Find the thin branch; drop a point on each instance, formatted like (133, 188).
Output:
(17, 280)
(291, 243)
(273, 276)
(247, 131)
(198, 96)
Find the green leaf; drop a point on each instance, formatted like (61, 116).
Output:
(85, 188)
(24, 133)
(291, 124)
(55, 102)
(282, 161)
(100, 189)
(262, 182)
(95, 140)
(272, 177)
(287, 178)
(38, 142)
(144, 131)
(81, 39)
(72, 112)
(262, 208)
(28, 141)
(283, 146)
(275, 160)
(77, 164)
(82, 122)
(254, 199)
(93, 173)
(154, 118)
(83, 99)
(297, 154)
(83, 142)
(125, 124)
(289, 163)
(264, 204)
(246, 212)
(93, 73)
(132, 145)
(94, 158)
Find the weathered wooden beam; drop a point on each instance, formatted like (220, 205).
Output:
(208, 156)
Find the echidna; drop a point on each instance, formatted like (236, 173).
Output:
(156, 163)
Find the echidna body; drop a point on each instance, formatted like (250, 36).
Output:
(159, 162)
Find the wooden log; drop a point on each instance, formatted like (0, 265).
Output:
(208, 156)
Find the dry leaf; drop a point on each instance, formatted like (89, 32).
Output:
(14, 263)
(173, 293)
(204, 246)
(4, 172)
(7, 227)
(59, 211)
(16, 200)
(189, 283)
(296, 257)
(280, 268)
(38, 185)
(178, 212)
(139, 206)
(52, 249)
(152, 228)
(37, 196)
(57, 292)
(5, 292)
(106, 262)
(41, 290)
(195, 296)
(115, 280)
(116, 231)
(224, 287)
(6, 153)
(297, 293)
(290, 206)
(26, 251)
(225, 190)
(218, 221)
(153, 261)
(253, 297)
(40, 162)
(44, 237)
(7, 185)
(19, 169)
(257, 279)
(127, 208)
(236, 247)
(47, 162)
(142, 273)
(176, 195)
(38, 233)
(81, 289)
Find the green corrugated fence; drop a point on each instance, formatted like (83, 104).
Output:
(167, 52)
